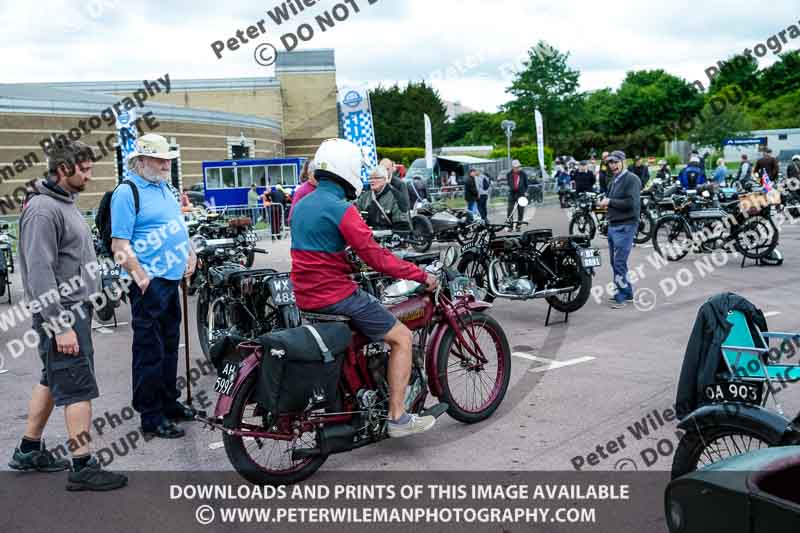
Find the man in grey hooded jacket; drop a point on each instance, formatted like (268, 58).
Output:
(59, 275)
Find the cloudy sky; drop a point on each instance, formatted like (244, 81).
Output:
(468, 48)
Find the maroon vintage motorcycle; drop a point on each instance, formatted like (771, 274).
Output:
(460, 355)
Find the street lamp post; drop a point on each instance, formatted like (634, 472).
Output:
(508, 126)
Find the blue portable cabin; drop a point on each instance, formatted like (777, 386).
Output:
(226, 183)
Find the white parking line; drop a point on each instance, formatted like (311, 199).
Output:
(771, 313)
(551, 364)
(216, 445)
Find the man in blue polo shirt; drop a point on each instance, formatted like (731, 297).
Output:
(152, 244)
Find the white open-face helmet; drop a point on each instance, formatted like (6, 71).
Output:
(796, 157)
(342, 159)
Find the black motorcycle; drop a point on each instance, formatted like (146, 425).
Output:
(436, 222)
(530, 265)
(705, 221)
(588, 218)
(232, 300)
(6, 260)
(110, 281)
(214, 227)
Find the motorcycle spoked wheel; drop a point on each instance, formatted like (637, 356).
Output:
(570, 270)
(757, 238)
(265, 461)
(220, 321)
(423, 234)
(582, 224)
(477, 270)
(671, 238)
(645, 230)
(472, 390)
(716, 443)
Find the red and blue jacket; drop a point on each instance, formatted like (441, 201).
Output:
(323, 225)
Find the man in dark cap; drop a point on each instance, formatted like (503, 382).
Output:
(623, 203)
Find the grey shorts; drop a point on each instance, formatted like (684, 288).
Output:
(366, 314)
(70, 378)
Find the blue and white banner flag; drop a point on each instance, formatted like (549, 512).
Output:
(126, 138)
(355, 118)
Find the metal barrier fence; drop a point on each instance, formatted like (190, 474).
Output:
(273, 216)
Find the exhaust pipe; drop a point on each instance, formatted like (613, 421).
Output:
(512, 296)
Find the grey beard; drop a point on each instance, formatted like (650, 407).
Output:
(154, 178)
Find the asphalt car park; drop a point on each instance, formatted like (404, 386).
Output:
(594, 393)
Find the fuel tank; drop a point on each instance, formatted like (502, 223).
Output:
(415, 312)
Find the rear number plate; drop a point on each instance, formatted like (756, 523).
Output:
(590, 257)
(226, 378)
(281, 290)
(751, 393)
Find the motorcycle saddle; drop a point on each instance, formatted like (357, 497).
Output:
(239, 277)
(534, 236)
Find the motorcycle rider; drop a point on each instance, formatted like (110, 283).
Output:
(745, 173)
(664, 174)
(693, 175)
(321, 230)
(380, 203)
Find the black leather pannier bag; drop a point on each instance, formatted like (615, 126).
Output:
(301, 368)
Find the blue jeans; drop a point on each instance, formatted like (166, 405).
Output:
(254, 212)
(620, 242)
(472, 207)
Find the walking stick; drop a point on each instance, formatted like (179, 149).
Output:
(185, 290)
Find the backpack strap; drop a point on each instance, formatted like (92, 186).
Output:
(135, 191)
(327, 356)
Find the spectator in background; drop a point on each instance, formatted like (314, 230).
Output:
(745, 172)
(769, 165)
(471, 191)
(517, 188)
(378, 204)
(603, 174)
(793, 170)
(253, 200)
(399, 186)
(584, 178)
(309, 185)
(417, 189)
(664, 174)
(564, 182)
(276, 200)
(720, 173)
(484, 184)
(641, 171)
(693, 175)
(624, 204)
(186, 203)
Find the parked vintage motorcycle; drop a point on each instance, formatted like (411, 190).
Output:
(6, 260)
(436, 222)
(588, 218)
(704, 222)
(231, 296)
(531, 265)
(460, 355)
(214, 226)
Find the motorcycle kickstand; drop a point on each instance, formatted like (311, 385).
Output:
(547, 318)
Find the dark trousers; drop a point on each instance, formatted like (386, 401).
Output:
(156, 321)
(483, 207)
(512, 202)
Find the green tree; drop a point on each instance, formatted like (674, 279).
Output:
(781, 112)
(781, 78)
(738, 70)
(715, 125)
(476, 129)
(398, 114)
(548, 84)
